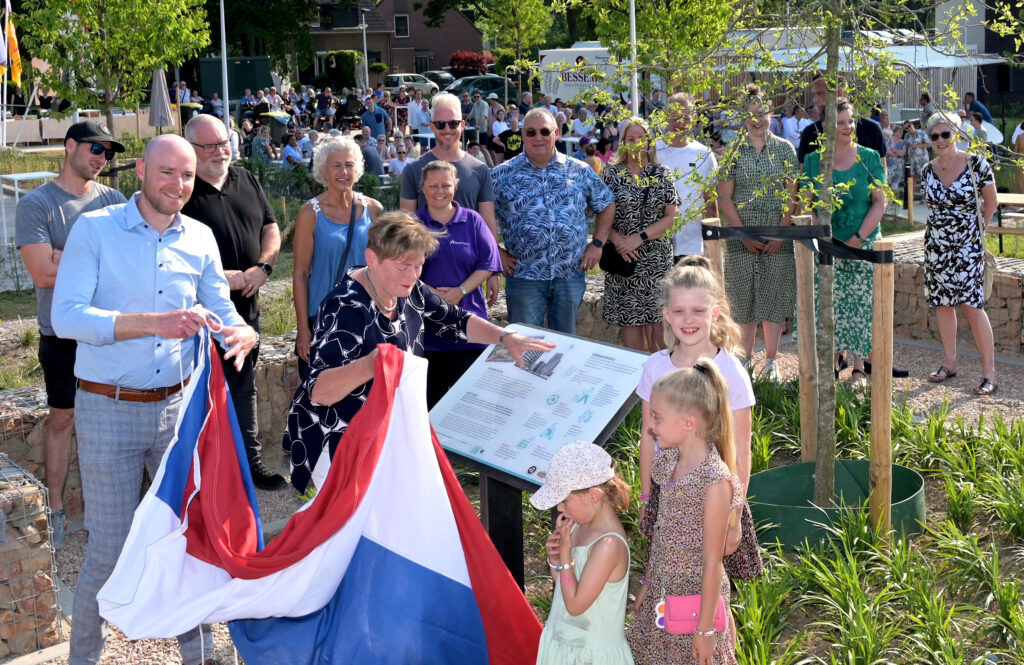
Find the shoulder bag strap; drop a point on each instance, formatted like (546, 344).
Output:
(348, 242)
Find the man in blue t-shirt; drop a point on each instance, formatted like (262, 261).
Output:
(375, 118)
(972, 105)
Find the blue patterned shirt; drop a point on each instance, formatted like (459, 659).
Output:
(542, 213)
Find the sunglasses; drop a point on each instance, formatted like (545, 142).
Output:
(941, 135)
(543, 131)
(450, 124)
(401, 152)
(98, 149)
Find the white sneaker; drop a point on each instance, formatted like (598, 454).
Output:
(770, 371)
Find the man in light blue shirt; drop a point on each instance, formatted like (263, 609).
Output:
(541, 199)
(129, 278)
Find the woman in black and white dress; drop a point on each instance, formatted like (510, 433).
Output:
(954, 255)
(646, 205)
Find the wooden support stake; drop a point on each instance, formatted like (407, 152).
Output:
(880, 505)
(806, 345)
(713, 250)
(910, 203)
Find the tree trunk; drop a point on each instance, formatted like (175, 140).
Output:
(572, 24)
(108, 106)
(825, 462)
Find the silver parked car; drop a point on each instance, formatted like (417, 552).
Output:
(411, 82)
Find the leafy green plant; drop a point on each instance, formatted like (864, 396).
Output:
(28, 337)
(961, 502)
(761, 607)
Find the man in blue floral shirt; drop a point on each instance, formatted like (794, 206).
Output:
(541, 201)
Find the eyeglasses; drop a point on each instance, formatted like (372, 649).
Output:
(941, 135)
(210, 148)
(98, 149)
(450, 124)
(543, 131)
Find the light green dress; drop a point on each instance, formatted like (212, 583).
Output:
(596, 637)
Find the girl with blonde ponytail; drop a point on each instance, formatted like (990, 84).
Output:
(691, 419)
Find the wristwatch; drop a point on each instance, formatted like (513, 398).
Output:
(858, 235)
(644, 236)
(463, 289)
(266, 267)
(597, 243)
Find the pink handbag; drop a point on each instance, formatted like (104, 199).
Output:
(678, 614)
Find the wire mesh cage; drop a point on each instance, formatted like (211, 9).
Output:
(29, 612)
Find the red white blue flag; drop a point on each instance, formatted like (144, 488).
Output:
(388, 564)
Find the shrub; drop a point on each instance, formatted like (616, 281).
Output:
(467, 63)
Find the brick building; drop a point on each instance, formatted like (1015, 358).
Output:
(396, 34)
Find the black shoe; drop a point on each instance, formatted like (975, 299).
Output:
(897, 372)
(263, 478)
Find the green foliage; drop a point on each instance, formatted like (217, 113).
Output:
(110, 46)
(378, 67)
(277, 28)
(345, 72)
(515, 27)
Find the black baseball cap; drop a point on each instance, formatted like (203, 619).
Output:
(93, 130)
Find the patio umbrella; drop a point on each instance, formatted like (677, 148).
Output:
(160, 114)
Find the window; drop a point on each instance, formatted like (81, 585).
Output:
(401, 25)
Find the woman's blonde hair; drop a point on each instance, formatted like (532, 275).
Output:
(397, 234)
(615, 490)
(652, 146)
(694, 272)
(943, 118)
(702, 389)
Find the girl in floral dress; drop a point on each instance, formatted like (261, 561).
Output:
(700, 497)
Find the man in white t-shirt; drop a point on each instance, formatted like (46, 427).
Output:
(693, 166)
(793, 125)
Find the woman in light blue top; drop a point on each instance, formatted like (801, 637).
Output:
(330, 233)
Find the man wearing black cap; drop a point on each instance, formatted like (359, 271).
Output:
(44, 219)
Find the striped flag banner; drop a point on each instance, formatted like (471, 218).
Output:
(387, 564)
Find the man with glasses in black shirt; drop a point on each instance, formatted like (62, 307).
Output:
(231, 202)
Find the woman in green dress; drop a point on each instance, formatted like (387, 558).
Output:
(856, 222)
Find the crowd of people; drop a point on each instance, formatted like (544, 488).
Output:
(493, 191)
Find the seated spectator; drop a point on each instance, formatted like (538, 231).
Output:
(604, 150)
(217, 105)
(262, 105)
(579, 153)
(473, 148)
(370, 157)
(591, 159)
(305, 145)
(399, 161)
(583, 125)
(262, 148)
(291, 155)
(324, 109)
(275, 100)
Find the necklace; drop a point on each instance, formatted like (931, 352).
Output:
(380, 301)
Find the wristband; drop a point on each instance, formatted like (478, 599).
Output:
(501, 338)
(564, 566)
(463, 289)
(858, 236)
(644, 497)
(706, 633)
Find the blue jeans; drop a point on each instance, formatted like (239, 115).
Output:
(529, 299)
(115, 440)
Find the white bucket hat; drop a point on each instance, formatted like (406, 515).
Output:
(577, 466)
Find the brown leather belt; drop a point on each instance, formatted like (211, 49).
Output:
(131, 394)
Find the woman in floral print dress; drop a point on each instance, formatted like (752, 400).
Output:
(954, 258)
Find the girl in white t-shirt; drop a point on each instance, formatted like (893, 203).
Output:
(697, 325)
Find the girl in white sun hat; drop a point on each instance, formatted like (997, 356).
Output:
(589, 559)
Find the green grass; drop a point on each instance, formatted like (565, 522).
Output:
(16, 305)
(22, 372)
(277, 315)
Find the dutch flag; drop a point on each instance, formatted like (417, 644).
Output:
(388, 564)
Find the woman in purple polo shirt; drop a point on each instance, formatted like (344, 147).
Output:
(467, 256)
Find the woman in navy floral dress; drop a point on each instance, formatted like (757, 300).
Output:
(954, 257)
(383, 303)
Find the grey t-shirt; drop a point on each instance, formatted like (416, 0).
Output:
(474, 187)
(46, 215)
